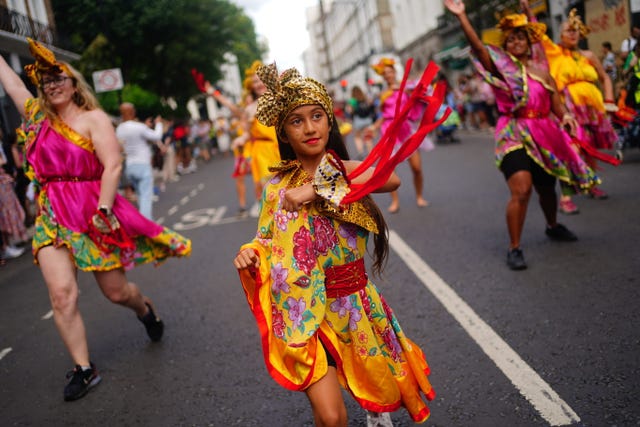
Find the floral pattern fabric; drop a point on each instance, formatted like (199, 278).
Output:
(542, 137)
(299, 323)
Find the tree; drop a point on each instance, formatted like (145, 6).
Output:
(156, 43)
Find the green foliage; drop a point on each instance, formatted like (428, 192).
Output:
(157, 43)
(147, 103)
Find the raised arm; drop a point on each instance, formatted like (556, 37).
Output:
(524, 5)
(14, 86)
(235, 110)
(458, 9)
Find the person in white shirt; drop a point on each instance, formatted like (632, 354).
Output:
(136, 138)
(629, 43)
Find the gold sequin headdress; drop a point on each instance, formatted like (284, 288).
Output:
(575, 22)
(380, 66)
(247, 83)
(534, 30)
(45, 63)
(288, 92)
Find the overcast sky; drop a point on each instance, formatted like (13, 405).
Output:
(283, 23)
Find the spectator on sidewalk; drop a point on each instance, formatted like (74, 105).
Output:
(135, 138)
(12, 215)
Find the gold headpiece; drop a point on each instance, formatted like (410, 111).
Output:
(535, 30)
(288, 92)
(380, 66)
(575, 22)
(247, 83)
(45, 63)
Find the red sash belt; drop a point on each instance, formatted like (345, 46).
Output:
(343, 280)
(67, 179)
(527, 113)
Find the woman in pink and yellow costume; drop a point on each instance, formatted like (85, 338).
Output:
(531, 150)
(582, 81)
(389, 98)
(74, 160)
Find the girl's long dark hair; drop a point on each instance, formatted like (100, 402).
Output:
(381, 239)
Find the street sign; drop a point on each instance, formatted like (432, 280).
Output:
(107, 80)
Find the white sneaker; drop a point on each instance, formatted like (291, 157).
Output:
(255, 210)
(379, 419)
(193, 166)
(12, 252)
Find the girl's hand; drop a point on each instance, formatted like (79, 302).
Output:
(246, 258)
(238, 142)
(570, 124)
(294, 198)
(455, 6)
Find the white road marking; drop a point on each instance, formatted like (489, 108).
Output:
(172, 210)
(4, 352)
(48, 316)
(193, 192)
(200, 186)
(532, 387)
(160, 220)
(200, 218)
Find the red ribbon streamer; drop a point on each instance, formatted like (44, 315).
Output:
(108, 242)
(381, 154)
(592, 152)
(199, 79)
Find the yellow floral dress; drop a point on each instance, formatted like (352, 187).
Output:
(302, 320)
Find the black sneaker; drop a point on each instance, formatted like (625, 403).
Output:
(153, 324)
(81, 382)
(515, 259)
(560, 233)
(242, 213)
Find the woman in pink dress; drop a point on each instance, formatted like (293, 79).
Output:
(388, 102)
(74, 160)
(532, 150)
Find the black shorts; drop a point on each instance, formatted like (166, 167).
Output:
(330, 360)
(519, 160)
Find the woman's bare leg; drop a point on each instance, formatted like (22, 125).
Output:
(118, 290)
(415, 162)
(60, 276)
(520, 186)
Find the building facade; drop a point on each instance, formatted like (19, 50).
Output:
(347, 36)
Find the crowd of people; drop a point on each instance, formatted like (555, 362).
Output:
(546, 103)
(16, 201)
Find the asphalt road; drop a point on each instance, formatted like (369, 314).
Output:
(556, 344)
